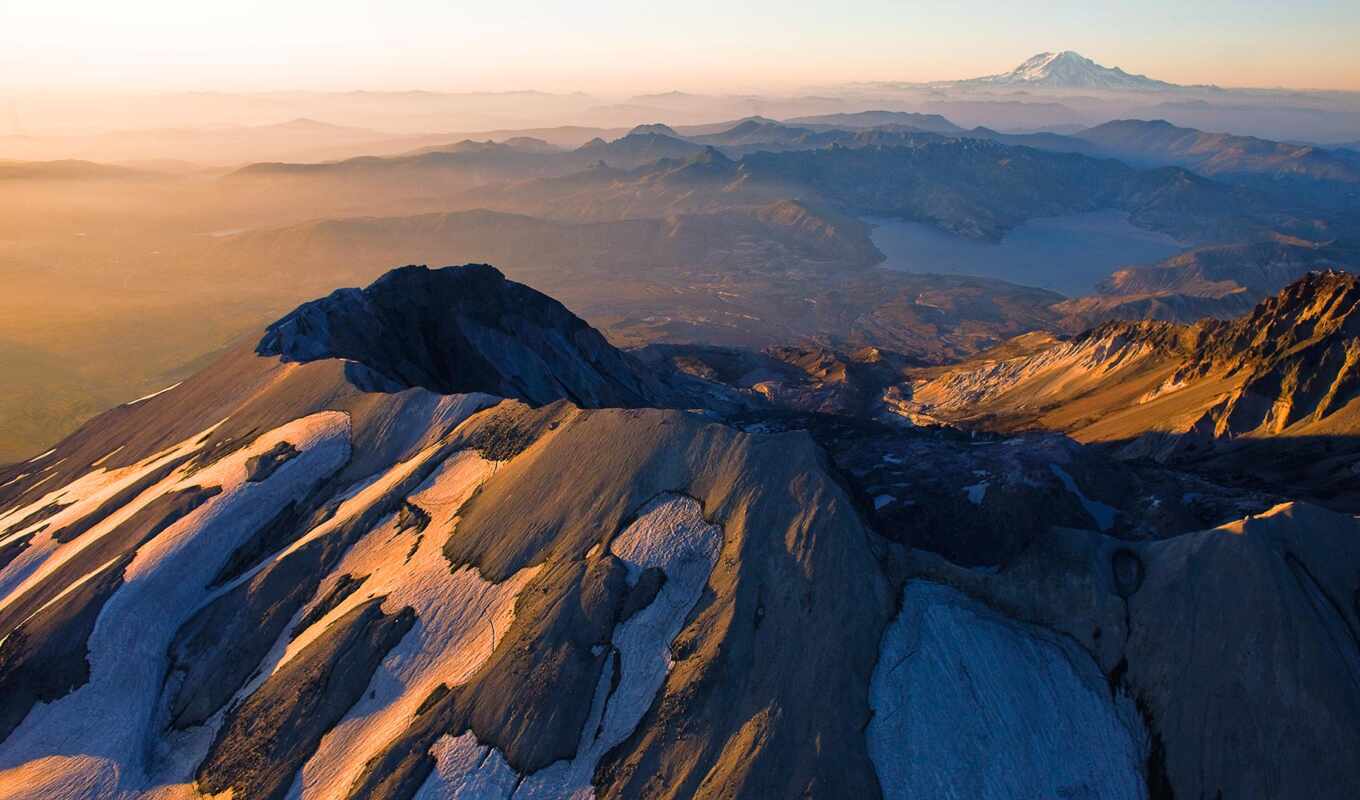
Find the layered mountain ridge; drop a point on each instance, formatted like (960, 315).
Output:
(1290, 368)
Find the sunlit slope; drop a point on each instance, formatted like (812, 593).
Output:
(280, 579)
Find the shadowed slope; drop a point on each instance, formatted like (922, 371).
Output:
(460, 329)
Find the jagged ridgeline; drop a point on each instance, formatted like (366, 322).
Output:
(438, 538)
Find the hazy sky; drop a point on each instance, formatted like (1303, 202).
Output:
(630, 45)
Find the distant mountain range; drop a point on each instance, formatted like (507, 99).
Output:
(1158, 142)
(933, 123)
(66, 169)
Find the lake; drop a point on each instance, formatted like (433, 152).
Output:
(1068, 254)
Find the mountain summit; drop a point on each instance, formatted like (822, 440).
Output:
(460, 329)
(1070, 70)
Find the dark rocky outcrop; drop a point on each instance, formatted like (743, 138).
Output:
(643, 592)
(462, 329)
(343, 587)
(262, 466)
(10, 550)
(281, 530)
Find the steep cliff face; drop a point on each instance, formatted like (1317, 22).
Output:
(461, 329)
(1297, 355)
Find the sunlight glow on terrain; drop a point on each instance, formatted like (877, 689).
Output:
(616, 46)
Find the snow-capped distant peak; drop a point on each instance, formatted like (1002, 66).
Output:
(1041, 66)
(1068, 69)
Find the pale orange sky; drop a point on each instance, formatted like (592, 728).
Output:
(623, 46)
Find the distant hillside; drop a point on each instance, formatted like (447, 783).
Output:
(932, 123)
(1158, 142)
(68, 169)
(973, 188)
(642, 146)
(1217, 281)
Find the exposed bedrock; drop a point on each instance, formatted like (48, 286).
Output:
(341, 588)
(266, 739)
(11, 549)
(1238, 644)
(460, 329)
(260, 467)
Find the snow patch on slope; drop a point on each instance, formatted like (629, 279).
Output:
(41, 456)
(156, 393)
(670, 534)
(969, 705)
(107, 721)
(460, 620)
(79, 498)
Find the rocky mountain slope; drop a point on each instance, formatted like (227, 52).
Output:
(1286, 375)
(1290, 361)
(1221, 281)
(286, 578)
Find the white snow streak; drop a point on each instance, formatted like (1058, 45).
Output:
(461, 619)
(671, 534)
